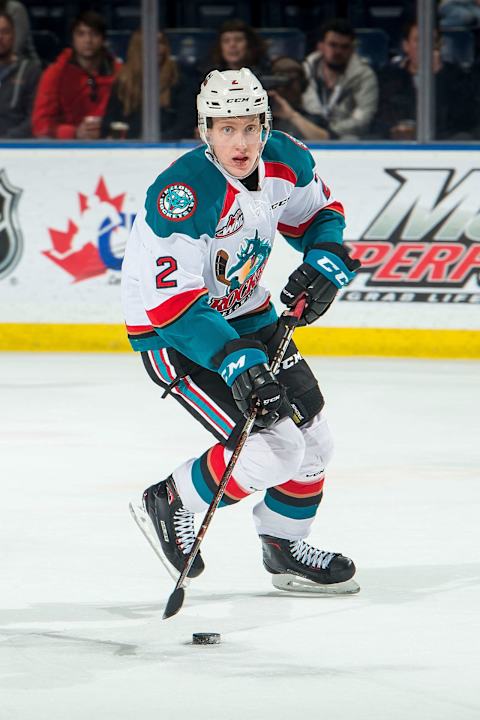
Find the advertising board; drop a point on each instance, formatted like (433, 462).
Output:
(413, 219)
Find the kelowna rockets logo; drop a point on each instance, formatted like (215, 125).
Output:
(94, 242)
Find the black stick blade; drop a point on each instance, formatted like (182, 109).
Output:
(174, 603)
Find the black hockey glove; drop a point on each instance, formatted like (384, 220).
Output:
(327, 267)
(245, 370)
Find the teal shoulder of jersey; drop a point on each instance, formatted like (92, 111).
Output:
(187, 197)
(281, 147)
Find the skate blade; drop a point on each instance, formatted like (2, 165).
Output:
(146, 526)
(295, 583)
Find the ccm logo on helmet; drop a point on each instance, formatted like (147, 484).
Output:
(233, 100)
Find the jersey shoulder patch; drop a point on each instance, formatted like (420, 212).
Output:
(177, 201)
(284, 148)
(187, 197)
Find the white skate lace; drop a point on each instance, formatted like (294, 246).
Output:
(184, 529)
(308, 555)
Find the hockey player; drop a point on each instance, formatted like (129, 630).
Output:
(196, 310)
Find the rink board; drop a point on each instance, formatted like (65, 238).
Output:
(310, 341)
(413, 218)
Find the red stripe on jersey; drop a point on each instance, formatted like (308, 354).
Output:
(280, 170)
(293, 231)
(229, 199)
(325, 189)
(298, 489)
(336, 206)
(138, 329)
(175, 307)
(300, 229)
(216, 464)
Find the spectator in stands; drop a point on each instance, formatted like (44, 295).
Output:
(18, 82)
(24, 46)
(454, 101)
(288, 81)
(177, 116)
(342, 87)
(237, 46)
(459, 13)
(74, 91)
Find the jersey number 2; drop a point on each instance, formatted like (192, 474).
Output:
(171, 266)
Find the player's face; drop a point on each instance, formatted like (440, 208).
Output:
(236, 143)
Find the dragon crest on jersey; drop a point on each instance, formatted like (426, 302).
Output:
(243, 276)
(177, 202)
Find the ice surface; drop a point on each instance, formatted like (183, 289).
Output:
(82, 594)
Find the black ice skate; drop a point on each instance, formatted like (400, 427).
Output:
(299, 567)
(168, 527)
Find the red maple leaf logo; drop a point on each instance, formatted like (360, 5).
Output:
(75, 249)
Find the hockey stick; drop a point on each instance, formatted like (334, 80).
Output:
(175, 601)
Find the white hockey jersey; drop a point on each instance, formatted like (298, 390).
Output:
(191, 276)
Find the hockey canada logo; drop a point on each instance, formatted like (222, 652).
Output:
(243, 276)
(233, 225)
(11, 243)
(177, 202)
(94, 242)
(424, 244)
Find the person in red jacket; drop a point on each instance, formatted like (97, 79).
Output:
(74, 91)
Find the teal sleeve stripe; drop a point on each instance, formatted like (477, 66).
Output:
(238, 361)
(328, 226)
(296, 243)
(200, 333)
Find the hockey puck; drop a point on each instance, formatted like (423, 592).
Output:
(206, 638)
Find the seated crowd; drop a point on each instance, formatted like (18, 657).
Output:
(333, 94)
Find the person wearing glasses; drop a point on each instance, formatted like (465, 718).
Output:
(74, 91)
(342, 87)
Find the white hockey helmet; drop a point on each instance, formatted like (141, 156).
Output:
(233, 93)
